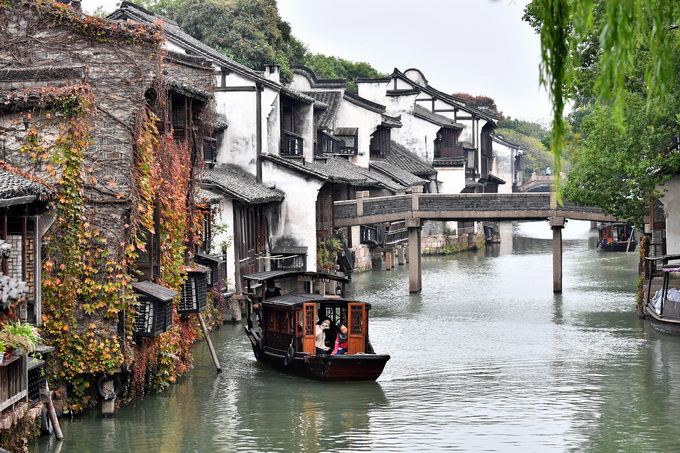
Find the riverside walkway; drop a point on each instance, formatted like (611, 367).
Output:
(416, 207)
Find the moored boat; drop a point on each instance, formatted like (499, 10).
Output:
(663, 309)
(282, 328)
(616, 237)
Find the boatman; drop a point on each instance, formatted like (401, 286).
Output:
(272, 290)
(321, 329)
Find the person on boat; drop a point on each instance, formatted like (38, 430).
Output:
(321, 347)
(340, 341)
(272, 290)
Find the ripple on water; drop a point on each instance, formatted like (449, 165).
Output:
(484, 358)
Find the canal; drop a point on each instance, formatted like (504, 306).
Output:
(486, 358)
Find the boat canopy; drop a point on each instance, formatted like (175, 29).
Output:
(295, 301)
(260, 277)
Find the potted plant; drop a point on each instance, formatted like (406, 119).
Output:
(2, 351)
(20, 336)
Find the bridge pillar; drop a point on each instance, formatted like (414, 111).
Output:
(389, 259)
(401, 251)
(415, 277)
(557, 224)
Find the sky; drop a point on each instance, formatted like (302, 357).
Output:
(478, 47)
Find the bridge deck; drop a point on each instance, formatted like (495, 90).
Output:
(465, 207)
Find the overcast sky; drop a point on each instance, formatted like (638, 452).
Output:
(479, 47)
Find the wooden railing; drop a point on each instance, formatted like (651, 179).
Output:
(13, 381)
(291, 145)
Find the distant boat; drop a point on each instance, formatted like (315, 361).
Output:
(616, 237)
(286, 337)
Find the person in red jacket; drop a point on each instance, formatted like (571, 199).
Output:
(341, 341)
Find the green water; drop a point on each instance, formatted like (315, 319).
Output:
(485, 358)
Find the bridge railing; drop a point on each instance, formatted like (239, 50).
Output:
(489, 206)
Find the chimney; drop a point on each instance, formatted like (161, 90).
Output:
(272, 72)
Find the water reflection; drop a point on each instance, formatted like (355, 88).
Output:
(485, 358)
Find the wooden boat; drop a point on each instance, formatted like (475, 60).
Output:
(282, 328)
(663, 309)
(616, 237)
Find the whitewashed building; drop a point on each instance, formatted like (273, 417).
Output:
(261, 207)
(508, 163)
(441, 129)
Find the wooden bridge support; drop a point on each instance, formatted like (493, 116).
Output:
(415, 276)
(557, 224)
(401, 255)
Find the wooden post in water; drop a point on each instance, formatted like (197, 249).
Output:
(207, 339)
(389, 259)
(415, 278)
(46, 398)
(557, 224)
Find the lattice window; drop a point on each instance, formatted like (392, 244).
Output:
(284, 321)
(357, 319)
(309, 320)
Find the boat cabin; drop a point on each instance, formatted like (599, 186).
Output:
(283, 312)
(617, 236)
(292, 319)
(305, 299)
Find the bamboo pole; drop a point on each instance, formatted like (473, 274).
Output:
(210, 345)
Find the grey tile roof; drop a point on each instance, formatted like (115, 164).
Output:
(297, 165)
(338, 170)
(13, 185)
(448, 161)
(407, 160)
(206, 196)
(130, 11)
(330, 98)
(495, 178)
(188, 90)
(391, 121)
(400, 175)
(440, 120)
(237, 183)
(297, 95)
(314, 82)
(454, 100)
(498, 138)
(365, 103)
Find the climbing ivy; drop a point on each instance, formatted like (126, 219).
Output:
(83, 274)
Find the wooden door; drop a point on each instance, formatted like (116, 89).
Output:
(308, 314)
(357, 328)
(324, 213)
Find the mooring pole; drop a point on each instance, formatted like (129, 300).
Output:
(557, 224)
(52, 413)
(207, 339)
(415, 280)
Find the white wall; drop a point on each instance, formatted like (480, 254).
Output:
(225, 217)
(374, 91)
(239, 143)
(452, 179)
(671, 202)
(352, 115)
(504, 157)
(298, 210)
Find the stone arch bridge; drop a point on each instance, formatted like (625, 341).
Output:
(416, 207)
